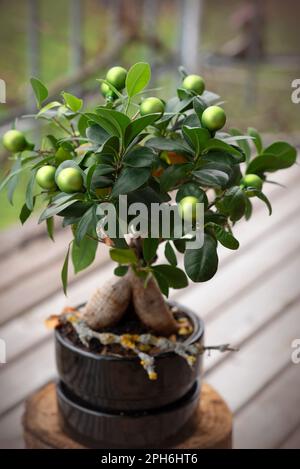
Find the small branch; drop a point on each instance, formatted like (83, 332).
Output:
(62, 126)
(140, 344)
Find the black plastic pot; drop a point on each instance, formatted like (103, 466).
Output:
(120, 384)
(155, 428)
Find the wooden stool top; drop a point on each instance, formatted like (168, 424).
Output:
(42, 429)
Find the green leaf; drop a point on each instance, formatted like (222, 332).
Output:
(137, 78)
(137, 126)
(130, 179)
(29, 191)
(211, 177)
(150, 246)
(74, 103)
(162, 283)
(161, 143)
(199, 106)
(40, 91)
(83, 254)
(215, 144)
(180, 245)
(123, 256)
(13, 180)
(96, 134)
(173, 174)
(54, 209)
(64, 271)
(202, 264)
(82, 124)
(25, 214)
(261, 196)
(50, 227)
(233, 203)
(279, 155)
(85, 223)
(224, 237)
(170, 254)
(10, 176)
(196, 137)
(121, 270)
(193, 189)
(257, 139)
(175, 277)
(139, 157)
(114, 122)
(243, 144)
(48, 107)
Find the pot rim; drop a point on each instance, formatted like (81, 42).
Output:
(196, 335)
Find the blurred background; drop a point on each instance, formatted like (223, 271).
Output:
(248, 52)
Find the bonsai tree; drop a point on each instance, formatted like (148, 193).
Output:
(173, 152)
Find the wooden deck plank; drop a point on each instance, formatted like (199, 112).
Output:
(274, 412)
(29, 329)
(243, 318)
(293, 440)
(24, 376)
(246, 372)
(11, 436)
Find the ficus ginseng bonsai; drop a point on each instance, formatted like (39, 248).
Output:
(147, 149)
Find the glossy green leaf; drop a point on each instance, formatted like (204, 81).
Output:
(257, 139)
(130, 179)
(137, 126)
(160, 143)
(97, 134)
(233, 203)
(64, 271)
(74, 103)
(87, 221)
(224, 237)
(137, 78)
(279, 155)
(202, 264)
(24, 214)
(211, 177)
(196, 137)
(123, 256)
(139, 157)
(40, 91)
(121, 270)
(175, 277)
(170, 254)
(29, 198)
(150, 247)
(216, 144)
(243, 144)
(83, 254)
(173, 174)
(13, 180)
(50, 227)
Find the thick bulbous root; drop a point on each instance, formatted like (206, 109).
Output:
(151, 307)
(108, 304)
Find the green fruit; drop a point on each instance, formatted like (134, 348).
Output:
(62, 155)
(117, 77)
(151, 106)
(14, 141)
(70, 180)
(252, 181)
(213, 118)
(45, 177)
(107, 92)
(187, 208)
(194, 83)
